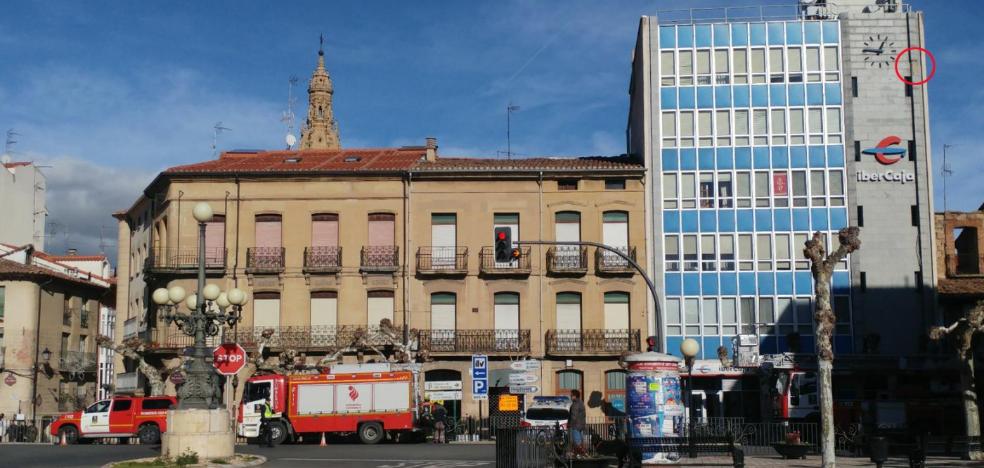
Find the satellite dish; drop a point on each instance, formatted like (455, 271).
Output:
(291, 139)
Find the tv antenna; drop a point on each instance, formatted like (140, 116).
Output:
(10, 141)
(288, 116)
(509, 110)
(103, 243)
(216, 130)
(945, 172)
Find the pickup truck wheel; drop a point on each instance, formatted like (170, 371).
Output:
(149, 434)
(69, 433)
(371, 433)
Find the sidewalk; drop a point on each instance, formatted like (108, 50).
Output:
(814, 461)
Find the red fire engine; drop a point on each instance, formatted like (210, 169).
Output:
(121, 416)
(369, 401)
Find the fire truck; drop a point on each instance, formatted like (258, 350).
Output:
(370, 400)
(120, 416)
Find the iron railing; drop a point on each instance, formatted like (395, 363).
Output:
(172, 260)
(471, 341)
(67, 314)
(323, 259)
(518, 266)
(170, 339)
(609, 262)
(592, 341)
(380, 258)
(567, 260)
(265, 259)
(308, 337)
(442, 260)
(77, 361)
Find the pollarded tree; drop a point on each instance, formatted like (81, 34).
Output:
(822, 267)
(961, 334)
(137, 350)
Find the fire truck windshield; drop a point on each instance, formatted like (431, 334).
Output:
(257, 391)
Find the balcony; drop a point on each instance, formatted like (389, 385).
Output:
(77, 361)
(131, 328)
(129, 382)
(474, 341)
(307, 337)
(323, 259)
(516, 267)
(175, 261)
(592, 342)
(170, 339)
(442, 261)
(611, 263)
(380, 258)
(67, 316)
(265, 260)
(567, 260)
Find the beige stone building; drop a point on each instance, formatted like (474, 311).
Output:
(326, 241)
(49, 319)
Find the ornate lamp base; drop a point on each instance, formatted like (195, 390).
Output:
(206, 432)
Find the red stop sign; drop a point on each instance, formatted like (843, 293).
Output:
(229, 358)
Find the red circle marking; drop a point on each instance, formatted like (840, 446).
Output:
(932, 71)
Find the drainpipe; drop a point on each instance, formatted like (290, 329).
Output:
(37, 352)
(178, 248)
(539, 253)
(406, 257)
(235, 265)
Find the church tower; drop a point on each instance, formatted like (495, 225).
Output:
(320, 130)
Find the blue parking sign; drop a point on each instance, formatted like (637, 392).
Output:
(480, 361)
(480, 387)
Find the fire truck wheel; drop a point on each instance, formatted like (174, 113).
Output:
(278, 432)
(149, 434)
(70, 433)
(371, 433)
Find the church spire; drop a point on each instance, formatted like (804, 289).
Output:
(320, 130)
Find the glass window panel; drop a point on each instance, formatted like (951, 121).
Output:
(761, 184)
(741, 122)
(690, 253)
(795, 60)
(686, 63)
(816, 120)
(760, 120)
(836, 183)
(778, 121)
(744, 184)
(782, 247)
(764, 247)
(721, 61)
(672, 253)
(803, 312)
(666, 63)
(704, 123)
(758, 60)
(703, 62)
(784, 307)
(710, 312)
(812, 59)
(817, 187)
(729, 310)
(692, 310)
(796, 121)
(669, 124)
(669, 186)
(707, 190)
(799, 183)
(723, 123)
(833, 120)
(672, 311)
(767, 312)
(687, 124)
(776, 64)
(747, 314)
(724, 190)
(745, 246)
(740, 61)
(687, 185)
(831, 62)
(727, 252)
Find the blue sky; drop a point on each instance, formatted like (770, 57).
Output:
(109, 93)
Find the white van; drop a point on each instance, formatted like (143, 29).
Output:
(547, 411)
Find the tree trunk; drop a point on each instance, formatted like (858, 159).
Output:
(968, 390)
(828, 439)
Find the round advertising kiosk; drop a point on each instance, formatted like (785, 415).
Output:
(654, 402)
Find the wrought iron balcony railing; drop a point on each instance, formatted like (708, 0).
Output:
(609, 262)
(567, 260)
(594, 341)
(380, 258)
(309, 337)
(518, 266)
(265, 259)
(474, 341)
(77, 361)
(171, 260)
(67, 316)
(323, 259)
(442, 260)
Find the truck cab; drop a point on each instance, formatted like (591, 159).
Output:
(120, 416)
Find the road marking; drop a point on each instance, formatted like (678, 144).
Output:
(403, 463)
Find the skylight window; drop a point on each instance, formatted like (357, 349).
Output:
(353, 158)
(292, 160)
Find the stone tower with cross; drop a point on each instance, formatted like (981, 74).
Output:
(320, 129)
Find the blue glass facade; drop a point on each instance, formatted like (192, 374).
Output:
(750, 163)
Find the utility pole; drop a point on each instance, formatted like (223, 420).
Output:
(509, 110)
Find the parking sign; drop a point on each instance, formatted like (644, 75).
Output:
(480, 377)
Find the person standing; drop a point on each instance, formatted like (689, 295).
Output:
(576, 421)
(3, 427)
(440, 415)
(266, 420)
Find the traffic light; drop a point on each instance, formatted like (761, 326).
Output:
(651, 344)
(503, 244)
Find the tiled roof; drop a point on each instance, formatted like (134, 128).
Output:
(71, 258)
(342, 160)
(10, 270)
(13, 164)
(594, 163)
(961, 287)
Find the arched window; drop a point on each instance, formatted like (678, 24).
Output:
(568, 380)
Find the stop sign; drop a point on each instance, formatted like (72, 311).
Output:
(229, 358)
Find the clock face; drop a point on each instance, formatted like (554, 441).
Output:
(879, 51)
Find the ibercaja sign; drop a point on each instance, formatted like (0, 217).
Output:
(886, 152)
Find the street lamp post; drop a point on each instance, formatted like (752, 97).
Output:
(210, 308)
(690, 348)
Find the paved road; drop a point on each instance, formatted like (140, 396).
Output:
(284, 456)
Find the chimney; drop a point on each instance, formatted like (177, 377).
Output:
(431, 149)
(73, 252)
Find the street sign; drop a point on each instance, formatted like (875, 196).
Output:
(524, 378)
(523, 389)
(525, 365)
(480, 377)
(10, 380)
(443, 385)
(443, 395)
(508, 403)
(229, 358)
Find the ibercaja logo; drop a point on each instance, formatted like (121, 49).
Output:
(886, 151)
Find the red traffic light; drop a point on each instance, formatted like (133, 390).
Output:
(502, 235)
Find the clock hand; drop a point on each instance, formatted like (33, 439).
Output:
(881, 48)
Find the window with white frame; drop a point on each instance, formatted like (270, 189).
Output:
(818, 189)
(711, 320)
(703, 67)
(842, 309)
(747, 311)
(670, 191)
(741, 127)
(690, 262)
(708, 254)
(836, 180)
(763, 251)
(799, 188)
(777, 67)
(799, 243)
(780, 188)
(705, 128)
(687, 190)
(673, 317)
(729, 316)
(671, 253)
(834, 125)
(721, 69)
(691, 310)
(783, 253)
(687, 129)
(745, 254)
(669, 127)
(815, 119)
(667, 68)
(686, 58)
(778, 126)
(795, 64)
(743, 190)
(724, 190)
(722, 122)
(727, 242)
(741, 66)
(831, 63)
(797, 131)
(762, 198)
(760, 126)
(766, 316)
(758, 66)
(813, 64)
(706, 190)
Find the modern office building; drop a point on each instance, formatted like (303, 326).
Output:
(760, 126)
